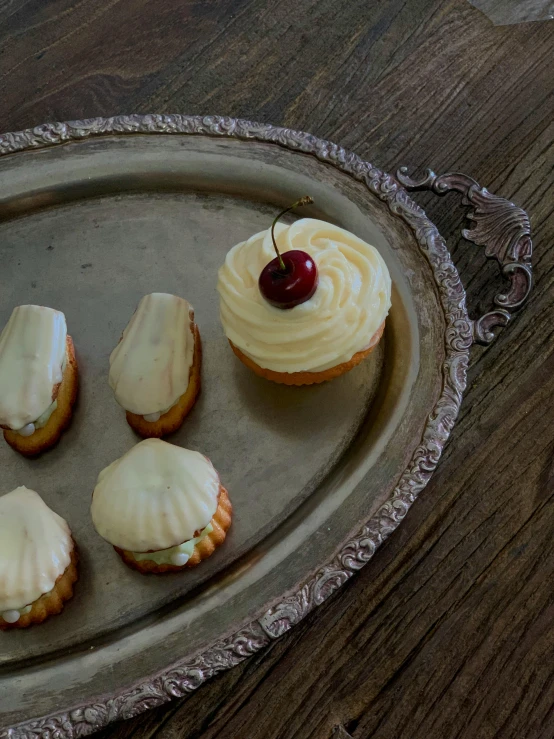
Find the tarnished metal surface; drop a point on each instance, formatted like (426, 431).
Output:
(318, 476)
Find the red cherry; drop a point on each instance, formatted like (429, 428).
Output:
(290, 278)
(291, 286)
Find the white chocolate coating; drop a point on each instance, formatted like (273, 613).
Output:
(32, 351)
(150, 367)
(154, 497)
(35, 548)
(351, 301)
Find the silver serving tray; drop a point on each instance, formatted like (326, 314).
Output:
(94, 214)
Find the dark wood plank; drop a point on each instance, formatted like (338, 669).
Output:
(448, 633)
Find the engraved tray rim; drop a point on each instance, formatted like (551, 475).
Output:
(191, 671)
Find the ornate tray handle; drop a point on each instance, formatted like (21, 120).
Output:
(498, 225)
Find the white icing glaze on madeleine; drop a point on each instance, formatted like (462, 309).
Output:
(32, 351)
(154, 497)
(35, 548)
(351, 301)
(150, 367)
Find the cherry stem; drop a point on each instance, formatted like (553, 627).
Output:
(306, 200)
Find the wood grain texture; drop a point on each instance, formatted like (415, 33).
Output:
(448, 633)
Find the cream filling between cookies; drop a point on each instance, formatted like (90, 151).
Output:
(178, 555)
(351, 301)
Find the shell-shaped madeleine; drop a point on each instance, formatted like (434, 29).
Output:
(32, 349)
(35, 548)
(150, 367)
(154, 497)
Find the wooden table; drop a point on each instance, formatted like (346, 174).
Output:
(449, 631)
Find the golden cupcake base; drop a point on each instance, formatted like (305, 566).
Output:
(310, 378)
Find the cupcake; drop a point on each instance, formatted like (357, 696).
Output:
(311, 313)
(155, 368)
(161, 507)
(38, 560)
(38, 378)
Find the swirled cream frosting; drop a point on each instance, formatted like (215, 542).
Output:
(351, 301)
(150, 367)
(32, 352)
(35, 548)
(156, 496)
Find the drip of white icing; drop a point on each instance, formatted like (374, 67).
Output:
(11, 617)
(27, 430)
(152, 417)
